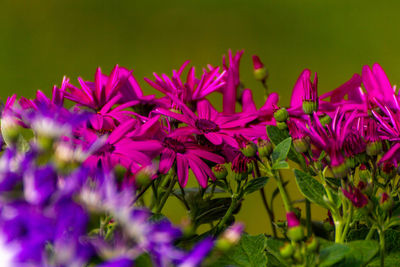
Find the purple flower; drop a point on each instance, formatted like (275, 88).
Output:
(40, 184)
(197, 254)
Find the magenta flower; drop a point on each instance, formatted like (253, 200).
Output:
(186, 153)
(232, 81)
(191, 90)
(378, 86)
(292, 219)
(217, 128)
(120, 149)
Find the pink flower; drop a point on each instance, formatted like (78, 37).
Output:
(191, 90)
(215, 127)
(186, 153)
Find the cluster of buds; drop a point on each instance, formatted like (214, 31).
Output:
(296, 251)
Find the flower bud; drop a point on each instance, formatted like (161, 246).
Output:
(309, 107)
(144, 176)
(324, 120)
(312, 244)
(260, 72)
(374, 148)
(220, 171)
(351, 162)
(387, 170)
(364, 173)
(281, 115)
(295, 233)
(264, 147)
(340, 170)
(301, 145)
(230, 237)
(249, 150)
(287, 250)
(281, 125)
(10, 129)
(386, 202)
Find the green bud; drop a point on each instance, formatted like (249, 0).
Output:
(295, 233)
(261, 74)
(312, 244)
(340, 171)
(351, 162)
(324, 120)
(374, 148)
(287, 250)
(264, 148)
(220, 171)
(386, 202)
(281, 125)
(301, 145)
(364, 173)
(143, 177)
(281, 115)
(249, 150)
(309, 107)
(10, 130)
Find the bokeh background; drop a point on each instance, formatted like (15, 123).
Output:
(40, 41)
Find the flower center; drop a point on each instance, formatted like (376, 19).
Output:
(207, 126)
(174, 144)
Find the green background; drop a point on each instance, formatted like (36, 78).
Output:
(40, 41)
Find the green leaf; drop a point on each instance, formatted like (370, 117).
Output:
(143, 260)
(248, 253)
(281, 150)
(390, 260)
(360, 253)
(277, 136)
(279, 165)
(255, 184)
(310, 188)
(206, 210)
(273, 247)
(332, 254)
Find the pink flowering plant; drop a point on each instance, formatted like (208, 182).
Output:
(86, 173)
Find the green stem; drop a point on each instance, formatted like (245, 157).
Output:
(282, 191)
(370, 233)
(382, 246)
(166, 195)
(308, 218)
(347, 225)
(270, 213)
(221, 224)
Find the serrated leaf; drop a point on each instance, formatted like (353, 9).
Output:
(310, 188)
(281, 150)
(280, 165)
(255, 184)
(248, 253)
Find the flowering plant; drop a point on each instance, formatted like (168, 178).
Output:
(85, 184)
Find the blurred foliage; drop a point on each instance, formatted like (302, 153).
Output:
(41, 41)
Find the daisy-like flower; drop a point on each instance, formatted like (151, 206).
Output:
(191, 90)
(120, 149)
(100, 96)
(183, 151)
(215, 127)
